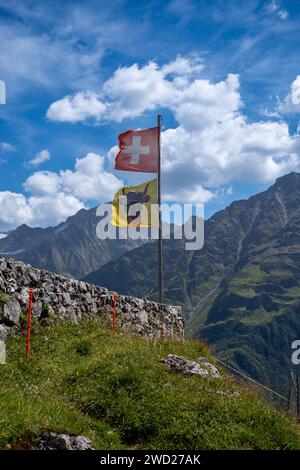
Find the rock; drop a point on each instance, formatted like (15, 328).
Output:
(213, 371)
(143, 316)
(5, 332)
(49, 440)
(71, 314)
(187, 367)
(10, 312)
(228, 393)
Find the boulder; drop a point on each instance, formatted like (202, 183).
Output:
(213, 371)
(187, 367)
(49, 440)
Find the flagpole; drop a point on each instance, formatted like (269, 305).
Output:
(160, 246)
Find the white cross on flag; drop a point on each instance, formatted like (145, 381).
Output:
(138, 151)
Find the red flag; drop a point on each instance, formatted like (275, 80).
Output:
(138, 151)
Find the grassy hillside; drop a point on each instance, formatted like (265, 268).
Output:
(81, 379)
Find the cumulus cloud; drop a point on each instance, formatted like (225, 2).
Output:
(52, 208)
(79, 107)
(291, 103)
(42, 182)
(16, 209)
(225, 152)
(87, 182)
(41, 157)
(214, 143)
(200, 103)
(52, 197)
(129, 92)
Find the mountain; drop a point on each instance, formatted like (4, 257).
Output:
(241, 291)
(72, 248)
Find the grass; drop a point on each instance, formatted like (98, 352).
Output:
(82, 379)
(197, 322)
(4, 298)
(250, 274)
(259, 316)
(242, 291)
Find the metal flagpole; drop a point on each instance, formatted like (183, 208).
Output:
(160, 247)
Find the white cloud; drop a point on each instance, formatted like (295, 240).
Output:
(87, 182)
(283, 14)
(17, 209)
(291, 103)
(53, 208)
(52, 197)
(274, 7)
(6, 147)
(41, 157)
(129, 92)
(14, 209)
(133, 90)
(42, 182)
(196, 194)
(201, 103)
(90, 181)
(184, 65)
(226, 152)
(79, 107)
(295, 91)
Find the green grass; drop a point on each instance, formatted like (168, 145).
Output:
(242, 291)
(82, 379)
(293, 292)
(259, 316)
(197, 322)
(250, 274)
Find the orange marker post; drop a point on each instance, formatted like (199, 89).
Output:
(114, 314)
(29, 324)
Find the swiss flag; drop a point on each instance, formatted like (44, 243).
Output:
(138, 151)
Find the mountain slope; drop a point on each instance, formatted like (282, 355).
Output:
(72, 248)
(114, 390)
(136, 274)
(241, 291)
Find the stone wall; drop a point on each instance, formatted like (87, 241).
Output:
(58, 297)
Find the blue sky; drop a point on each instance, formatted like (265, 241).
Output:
(222, 73)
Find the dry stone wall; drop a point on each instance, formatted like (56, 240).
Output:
(58, 297)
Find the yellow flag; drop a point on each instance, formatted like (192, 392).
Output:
(136, 206)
